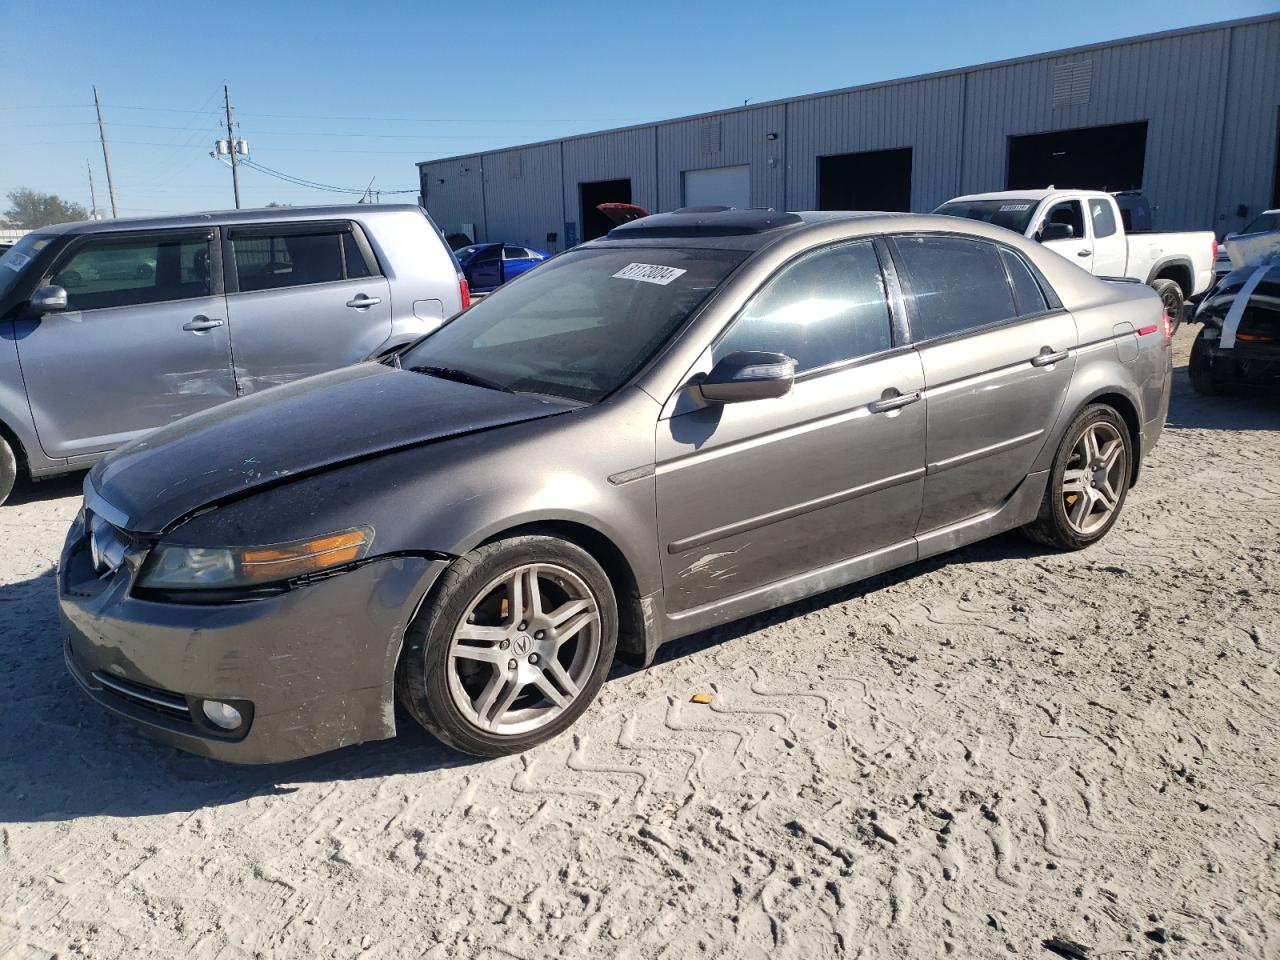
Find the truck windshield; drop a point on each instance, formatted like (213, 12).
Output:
(578, 326)
(1012, 214)
(14, 262)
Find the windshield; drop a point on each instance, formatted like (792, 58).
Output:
(580, 325)
(16, 258)
(1013, 215)
(1264, 224)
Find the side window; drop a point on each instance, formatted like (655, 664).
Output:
(111, 272)
(1027, 295)
(486, 256)
(956, 285)
(826, 307)
(515, 253)
(266, 261)
(1104, 221)
(1068, 212)
(353, 258)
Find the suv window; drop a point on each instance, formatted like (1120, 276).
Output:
(826, 307)
(1027, 295)
(956, 284)
(1068, 212)
(115, 272)
(1104, 221)
(267, 261)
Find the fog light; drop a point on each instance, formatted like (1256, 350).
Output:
(220, 714)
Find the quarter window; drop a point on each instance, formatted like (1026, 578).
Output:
(956, 285)
(1027, 295)
(826, 307)
(267, 261)
(124, 273)
(1104, 221)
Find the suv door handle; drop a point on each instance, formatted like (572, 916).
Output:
(1047, 357)
(363, 301)
(1084, 253)
(201, 323)
(884, 404)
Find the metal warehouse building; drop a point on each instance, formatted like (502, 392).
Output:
(1192, 117)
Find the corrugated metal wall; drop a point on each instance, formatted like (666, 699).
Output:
(1210, 96)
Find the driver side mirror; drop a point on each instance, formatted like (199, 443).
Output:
(749, 375)
(1056, 231)
(49, 299)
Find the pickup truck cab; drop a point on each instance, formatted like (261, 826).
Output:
(1107, 238)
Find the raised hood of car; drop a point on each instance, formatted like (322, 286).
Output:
(280, 434)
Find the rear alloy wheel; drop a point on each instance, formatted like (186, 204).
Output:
(1088, 482)
(1174, 302)
(512, 646)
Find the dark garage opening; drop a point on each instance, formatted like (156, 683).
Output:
(594, 223)
(1087, 158)
(872, 180)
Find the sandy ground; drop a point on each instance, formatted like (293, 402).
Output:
(970, 756)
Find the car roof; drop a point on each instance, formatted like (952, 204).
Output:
(364, 211)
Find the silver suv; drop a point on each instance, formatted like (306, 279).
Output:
(113, 328)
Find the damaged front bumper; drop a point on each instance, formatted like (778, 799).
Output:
(309, 670)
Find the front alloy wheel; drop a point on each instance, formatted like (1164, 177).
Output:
(511, 647)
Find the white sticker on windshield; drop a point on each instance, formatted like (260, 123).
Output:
(16, 261)
(1014, 207)
(649, 273)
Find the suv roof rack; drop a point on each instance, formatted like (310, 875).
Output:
(705, 222)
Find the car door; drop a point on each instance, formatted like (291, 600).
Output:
(998, 355)
(515, 261)
(1110, 248)
(302, 298)
(1079, 249)
(143, 340)
(484, 271)
(757, 492)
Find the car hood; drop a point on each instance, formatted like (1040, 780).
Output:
(290, 431)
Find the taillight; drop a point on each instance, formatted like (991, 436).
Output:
(464, 291)
(1214, 258)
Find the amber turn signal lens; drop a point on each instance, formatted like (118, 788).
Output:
(285, 560)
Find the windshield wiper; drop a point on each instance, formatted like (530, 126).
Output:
(462, 376)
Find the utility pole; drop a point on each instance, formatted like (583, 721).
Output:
(106, 157)
(93, 196)
(231, 142)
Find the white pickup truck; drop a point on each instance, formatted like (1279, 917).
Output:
(1105, 237)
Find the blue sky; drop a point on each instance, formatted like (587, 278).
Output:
(341, 92)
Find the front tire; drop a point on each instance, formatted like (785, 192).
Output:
(511, 647)
(1200, 367)
(8, 469)
(1088, 482)
(1175, 303)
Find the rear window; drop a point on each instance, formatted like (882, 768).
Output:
(269, 261)
(956, 285)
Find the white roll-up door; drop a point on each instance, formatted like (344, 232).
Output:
(718, 186)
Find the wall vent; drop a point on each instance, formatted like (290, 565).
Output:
(711, 137)
(517, 166)
(1072, 83)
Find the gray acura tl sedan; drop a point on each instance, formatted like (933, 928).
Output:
(703, 415)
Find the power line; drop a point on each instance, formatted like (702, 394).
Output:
(314, 184)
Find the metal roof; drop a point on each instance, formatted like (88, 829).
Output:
(256, 215)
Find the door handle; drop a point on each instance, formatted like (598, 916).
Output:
(201, 323)
(1047, 357)
(363, 301)
(1084, 253)
(884, 404)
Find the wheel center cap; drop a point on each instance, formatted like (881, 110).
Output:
(522, 644)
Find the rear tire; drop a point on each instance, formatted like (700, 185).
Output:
(8, 469)
(1200, 368)
(1174, 302)
(511, 646)
(1088, 481)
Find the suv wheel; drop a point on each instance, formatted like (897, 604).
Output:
(1174, 303)
(1201, 366)
(511, 647)
(1087, 483)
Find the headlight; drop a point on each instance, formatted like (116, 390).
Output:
(172, 567)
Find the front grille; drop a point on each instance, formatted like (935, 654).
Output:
(163, 702)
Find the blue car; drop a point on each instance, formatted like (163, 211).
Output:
(490, 265)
